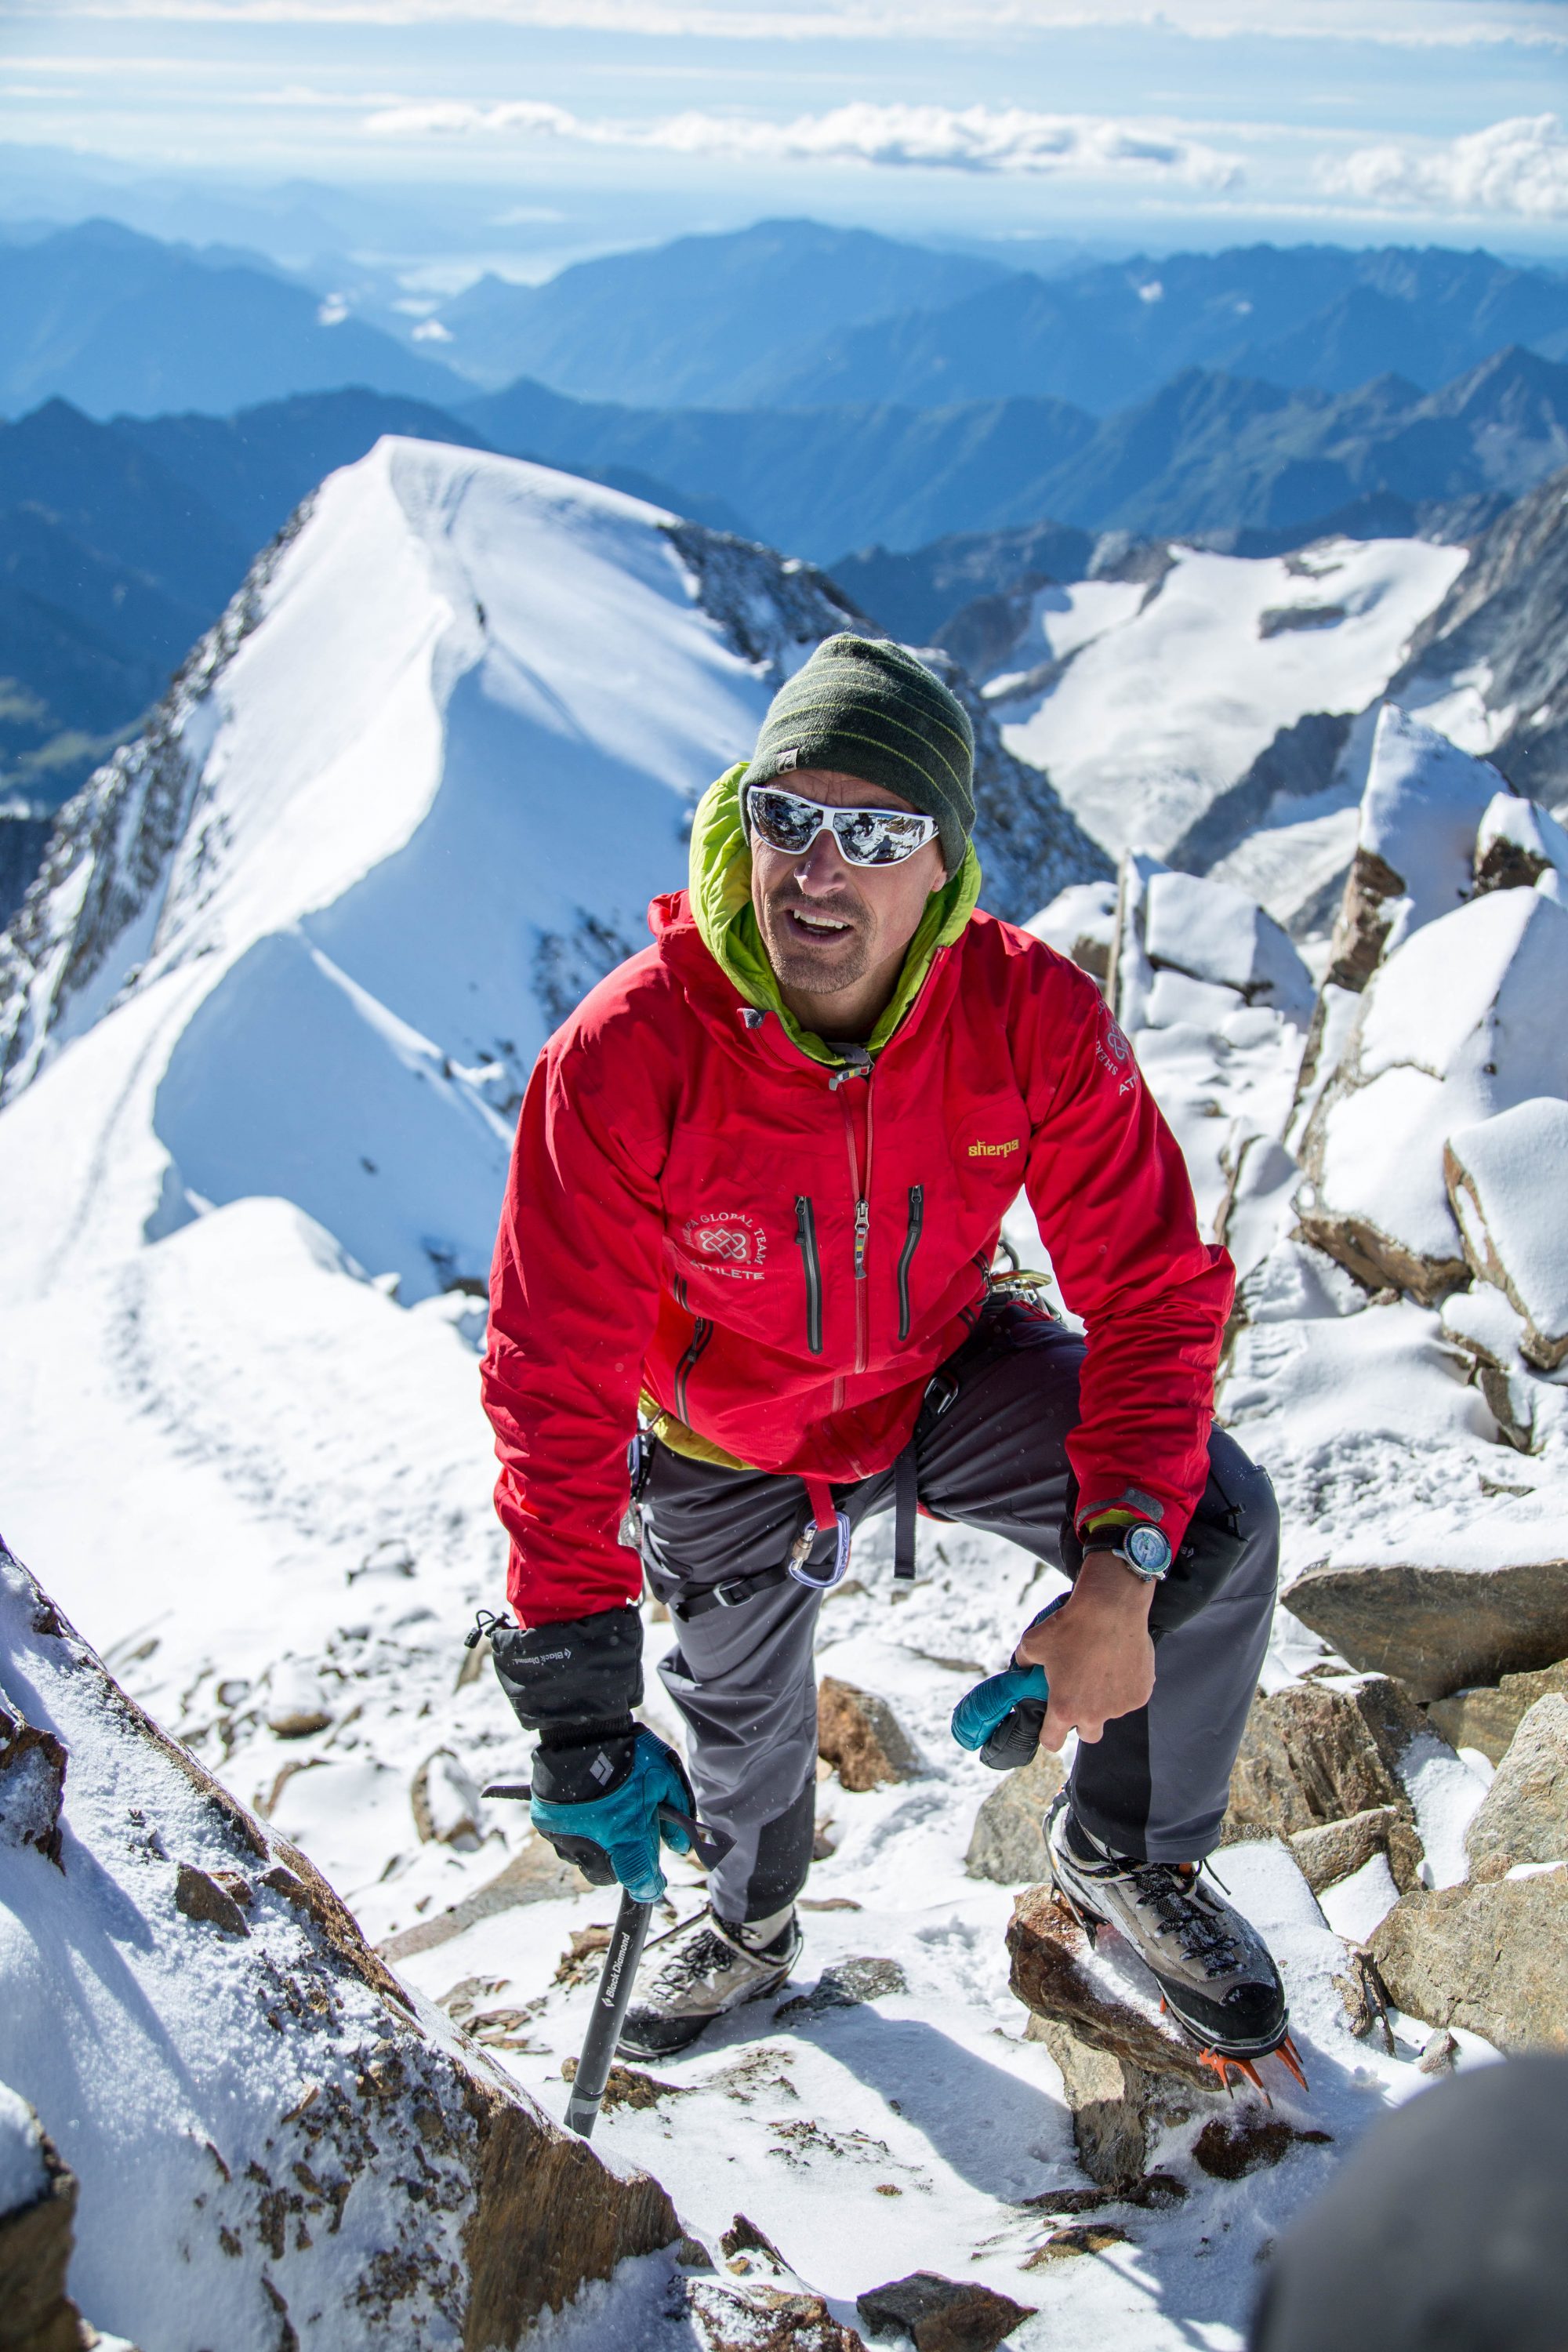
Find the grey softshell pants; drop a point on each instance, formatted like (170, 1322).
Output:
(991, 1451)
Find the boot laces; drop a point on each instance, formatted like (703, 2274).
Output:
(1169, 1890)
(705, 1955)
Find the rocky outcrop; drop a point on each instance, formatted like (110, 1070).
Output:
(1454, 1028)
(1319, 1752)
(32, 1783)
(1008, 1843)
(859, 1732)
(1123, 2073)
(1185, 948)
(1524, 1816)
(941, 2315)
(37, 2205)
(1504, 1178)
(319, 2158)
(1423, 803)
(1487, 1716)
(1436, 1629)
(1517, 842)
(1337, 1849)
(1491, 1956)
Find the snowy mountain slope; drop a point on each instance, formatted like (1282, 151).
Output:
(1489, 665)
(390, 827)
(1148, 699)
(320, 920)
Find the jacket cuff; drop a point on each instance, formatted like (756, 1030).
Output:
(575, 1678)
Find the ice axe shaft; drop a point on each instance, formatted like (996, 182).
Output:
(610, 2005)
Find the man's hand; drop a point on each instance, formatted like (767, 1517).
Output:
(1096, 1651)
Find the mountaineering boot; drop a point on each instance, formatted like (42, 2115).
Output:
(1212, 1966)
(711, 1964)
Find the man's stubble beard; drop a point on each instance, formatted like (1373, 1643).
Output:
(815, 971)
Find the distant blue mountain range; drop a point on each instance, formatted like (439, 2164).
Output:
(794, 314)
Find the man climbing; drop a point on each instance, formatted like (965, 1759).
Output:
(758, 1184)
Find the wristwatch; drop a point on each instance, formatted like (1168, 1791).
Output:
(1140, 1546)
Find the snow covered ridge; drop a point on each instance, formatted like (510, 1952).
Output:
(335, 2166)
(401, 809)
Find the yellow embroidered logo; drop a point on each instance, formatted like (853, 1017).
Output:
(993, 1150)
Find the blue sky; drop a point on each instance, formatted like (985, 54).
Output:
(574, 124)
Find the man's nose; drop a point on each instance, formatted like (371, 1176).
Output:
(822, 868)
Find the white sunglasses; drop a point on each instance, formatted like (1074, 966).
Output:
(867, 836)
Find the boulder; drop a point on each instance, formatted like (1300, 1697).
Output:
(1517, 843)
(37, 2204)
(1336, 1850)
(32, 1783)
(1124, 2073)
(1319, 1752)
(859, 1734)
(1078, 923)
(941, 2315)
(1524, 1816)
(446, 1804)
(845, 1985)
(1437, 1629)
(305, 2140)
(296, 1703)
(1459, 1023)
(1489, 1958)
(1421, 810)
(763, 2319)
(1487, 1718)
(1213, 932)
(1505, 1180)
(1008, 1843)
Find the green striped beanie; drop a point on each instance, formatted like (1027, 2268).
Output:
(868, 708)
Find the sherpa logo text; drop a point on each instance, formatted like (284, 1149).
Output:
(993, 1150)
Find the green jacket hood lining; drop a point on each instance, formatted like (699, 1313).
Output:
(721, 893)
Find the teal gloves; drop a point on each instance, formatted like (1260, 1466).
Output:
(616, 1835)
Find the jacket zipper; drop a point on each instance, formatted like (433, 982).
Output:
(703, 1331)
(861, 1191)
(906, 1256)
(806, 1241)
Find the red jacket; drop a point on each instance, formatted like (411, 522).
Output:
(696, 1208)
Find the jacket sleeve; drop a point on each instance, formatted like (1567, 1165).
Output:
(574, 1297)
(1110, 1194)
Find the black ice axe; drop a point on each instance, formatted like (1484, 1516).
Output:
(613, 1998)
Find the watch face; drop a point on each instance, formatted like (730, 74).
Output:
(1148, 1551)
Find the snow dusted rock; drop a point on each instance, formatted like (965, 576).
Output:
(1459, 1023)
(1524, 1816)
(1505, 1180)
(1080, 920)
(1437, 1628)
(1517, 844)
(1487, 1718)
(1008, 1843)
(296, 1702)
(1124, 2072)
(275, 2142)
(32, 1783)
(1316, 1752)
(1337, 1849)
(38, 2203)
(1424, 803)
(859, 1732)
(1489, 1958)
(446, 1803)
(1213, 932)
(941, 2315)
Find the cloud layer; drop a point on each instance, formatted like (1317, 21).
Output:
(970, 138)
(1518, 167)
(1402, 23)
